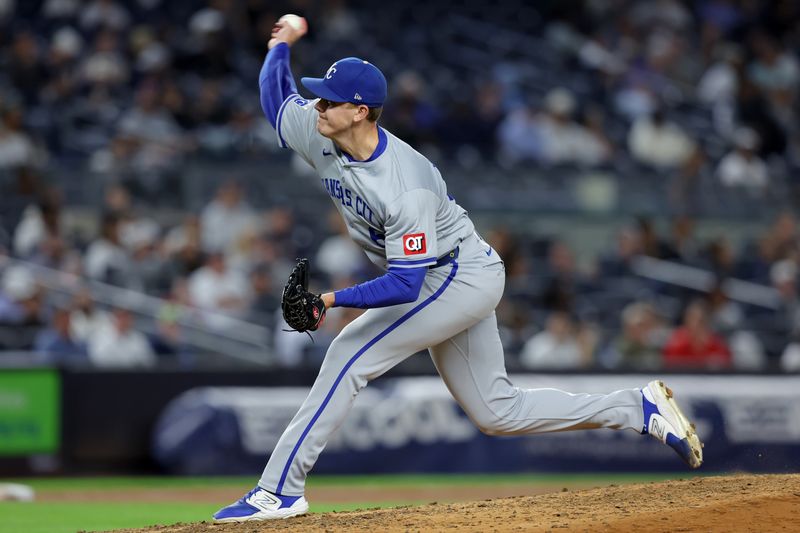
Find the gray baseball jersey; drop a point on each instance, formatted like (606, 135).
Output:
(397, 208)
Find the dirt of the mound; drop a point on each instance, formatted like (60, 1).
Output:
(328, 495)
(744, 503)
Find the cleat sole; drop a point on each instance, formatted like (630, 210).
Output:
(695, 459)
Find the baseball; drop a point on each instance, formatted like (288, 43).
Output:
(298, 23)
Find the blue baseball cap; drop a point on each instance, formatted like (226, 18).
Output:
(350, 80)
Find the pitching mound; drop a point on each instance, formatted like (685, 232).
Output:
(725, 504)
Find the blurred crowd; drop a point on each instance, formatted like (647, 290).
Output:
(613, 315)
(130, 91)
(228, 263)
(134, 87)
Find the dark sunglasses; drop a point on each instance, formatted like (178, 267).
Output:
(328, 104)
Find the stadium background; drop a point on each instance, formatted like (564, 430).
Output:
(634, 163)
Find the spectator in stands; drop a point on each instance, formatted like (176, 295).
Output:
(209, 111)
(619, 262)
(694, 345)
(682, 245)
(790, 358)
(470, 128)
(639, 345)
(157, 138)
(742, 167)
(289, 348)
(104, 14)
(136, 231)
(411, 116)
(753, 111)
(658, 142)
(226, 218)
(720, 16)
(783, 234)
(56, 344)
(338, 256)
(747, 351)
(16, 147)
(182, 244)
(169, 340)
(245, 253)
(85, 317)
(25, 66)
(635, 96)
(720, 258)
(338, 21)
(265, 298)
(21, 309)
(564, 140)
(720, 82)
(149, 270)
(105, 67)
(217, 288)
(561, 279)
(207, 50)
(286, 234)
(86, 119)
(652, 244)
(39, 221)
(106, 259)
(783, 275)
(777, 243)
(519, 137)
(509, 247)
(776, 72)
(21, 189)
(117, 201)
(20, 297)
(516, 327)
(555, 347)
(725, 315)
(118, 345)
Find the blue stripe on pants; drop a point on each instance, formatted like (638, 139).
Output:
(353, 359)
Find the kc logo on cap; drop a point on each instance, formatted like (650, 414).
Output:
(350, 80)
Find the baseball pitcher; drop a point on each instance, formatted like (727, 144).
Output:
(441, 285)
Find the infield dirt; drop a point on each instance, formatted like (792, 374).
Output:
(752, 503)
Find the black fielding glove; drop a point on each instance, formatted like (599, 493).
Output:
(302, 310)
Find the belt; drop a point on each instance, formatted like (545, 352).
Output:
(447, 258)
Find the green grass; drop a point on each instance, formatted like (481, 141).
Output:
(58, 517)
(69, 517)
(399, 480)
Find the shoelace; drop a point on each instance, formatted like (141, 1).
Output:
(243, 499)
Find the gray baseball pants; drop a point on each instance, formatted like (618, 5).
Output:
(454, 319)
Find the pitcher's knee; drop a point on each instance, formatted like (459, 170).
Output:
(499, 415)
(491, 424)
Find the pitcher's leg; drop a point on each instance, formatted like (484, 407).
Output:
(369, 346)
(345, 371)
(472, 366)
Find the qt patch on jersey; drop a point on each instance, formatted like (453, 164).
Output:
(414, 244)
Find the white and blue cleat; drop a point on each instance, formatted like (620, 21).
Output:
(665, 421)
(260, 504)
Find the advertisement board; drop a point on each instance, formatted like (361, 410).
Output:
(29, 412)
(749, 423)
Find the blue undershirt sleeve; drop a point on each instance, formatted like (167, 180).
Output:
(275, 81)
(397, 286)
